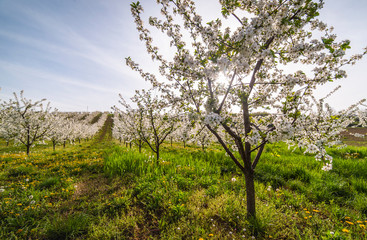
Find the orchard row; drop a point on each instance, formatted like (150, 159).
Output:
(26, 122)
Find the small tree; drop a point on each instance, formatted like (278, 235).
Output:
(154, 122)
(128, 123)
(227, 74)
(184, 132)
(69, 131)
(58, 129)
(203, 137)
(26, 122)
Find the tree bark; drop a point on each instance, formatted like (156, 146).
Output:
(28, 147)
(157, 154)
(250, 195)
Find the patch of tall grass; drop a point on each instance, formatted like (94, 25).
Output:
(119, 161)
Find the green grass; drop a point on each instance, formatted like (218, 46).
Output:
(296, 181)
(99, 190)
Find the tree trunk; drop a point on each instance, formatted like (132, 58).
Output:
(171, 141)
(130, 145)
(28, 147)
(54, 145)
(157, 153)
(64, 143)
(250, 194)
(184, 144)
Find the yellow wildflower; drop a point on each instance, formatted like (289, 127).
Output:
(349, 222)
(345, 230)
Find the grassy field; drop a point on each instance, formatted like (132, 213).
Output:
(100, 190)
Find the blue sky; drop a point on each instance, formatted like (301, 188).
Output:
(72, 52)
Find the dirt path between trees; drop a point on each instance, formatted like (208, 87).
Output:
(106, 130)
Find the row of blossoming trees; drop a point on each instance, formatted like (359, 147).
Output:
(151, 124)
(26, 122)
(223, 73)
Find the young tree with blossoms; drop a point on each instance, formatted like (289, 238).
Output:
(227, 74)
(154, 121)
(203, 137)
(69, 131)
(185, 131)
(26, 121)
(56, 132)
(128, 123)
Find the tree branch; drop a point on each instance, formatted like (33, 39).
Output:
(225, 96)
(226, 148)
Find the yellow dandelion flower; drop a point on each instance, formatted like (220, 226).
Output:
(211, 235)
(359, 222)
(305, 217)
(305, 209)
(315, 210)
(350, 223)
(307, 212)
(362, 226)
(201, 238)
(345, 230)
(310, 216)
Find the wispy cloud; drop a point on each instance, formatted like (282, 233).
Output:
(42, 74)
